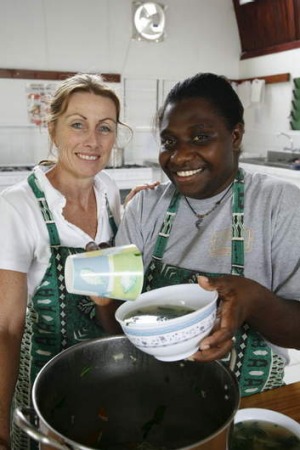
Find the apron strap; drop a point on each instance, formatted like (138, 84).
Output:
(165, 230)
(237, 237)
(47, 215)
(111, 219)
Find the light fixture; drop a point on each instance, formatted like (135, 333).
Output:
(243, 2)
(149, 21)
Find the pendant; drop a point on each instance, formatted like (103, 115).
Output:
(198, 223)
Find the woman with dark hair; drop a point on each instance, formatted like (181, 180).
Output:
(227, 229)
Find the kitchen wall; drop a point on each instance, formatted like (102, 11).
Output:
(95, 35)
(264, 121)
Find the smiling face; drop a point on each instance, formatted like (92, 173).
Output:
(85, 133)
(198, 152)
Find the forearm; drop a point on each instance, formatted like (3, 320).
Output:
(105, 314)
(277, 320)
(9, 364)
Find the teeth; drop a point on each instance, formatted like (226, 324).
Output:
(188, 173)
(87, 157)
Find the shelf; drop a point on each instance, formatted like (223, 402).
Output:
(51, 75)
(269, 79)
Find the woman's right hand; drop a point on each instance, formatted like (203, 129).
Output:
(107, 306)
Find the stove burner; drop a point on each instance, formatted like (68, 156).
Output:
(127, 166)
(16, 168)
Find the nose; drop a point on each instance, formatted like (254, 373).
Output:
(91, 139)
(182, 152)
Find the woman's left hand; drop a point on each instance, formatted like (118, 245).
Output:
(141, 187)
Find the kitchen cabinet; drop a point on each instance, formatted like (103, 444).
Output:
(268, 26)
(125, 178)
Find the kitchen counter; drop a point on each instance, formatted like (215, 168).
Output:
(285, 399)
(290, 175)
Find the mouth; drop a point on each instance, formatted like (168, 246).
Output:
(188, 173)
(87, 157)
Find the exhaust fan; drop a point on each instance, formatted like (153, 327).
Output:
(148, 21)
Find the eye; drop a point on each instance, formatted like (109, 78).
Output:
(200, 139)
(77, 125)
(167, 143)
(105, 129)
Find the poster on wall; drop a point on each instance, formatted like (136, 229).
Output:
(38, 97)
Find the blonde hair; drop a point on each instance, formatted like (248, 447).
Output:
(80, 82)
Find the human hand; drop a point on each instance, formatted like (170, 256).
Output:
(136, 189)
(237, 302)
(4, 444)
(105, 314)
(92, 246)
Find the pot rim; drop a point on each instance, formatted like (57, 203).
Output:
(77, 446)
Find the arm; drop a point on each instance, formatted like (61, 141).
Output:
(105, 314)
(13, 302)
(139, 188)
(244, 300)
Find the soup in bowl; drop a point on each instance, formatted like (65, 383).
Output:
(259, 428)
(170, 322)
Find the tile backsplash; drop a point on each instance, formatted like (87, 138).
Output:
(22, 144)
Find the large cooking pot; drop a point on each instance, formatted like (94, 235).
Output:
(106, 394)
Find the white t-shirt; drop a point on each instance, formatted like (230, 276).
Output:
(24, 239)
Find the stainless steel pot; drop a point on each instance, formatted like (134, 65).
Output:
(106, 394)
(116, 157)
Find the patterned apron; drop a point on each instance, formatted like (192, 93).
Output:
(55, 319)
(257, 367)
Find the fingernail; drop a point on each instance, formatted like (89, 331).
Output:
(201, 277)
(204, 347)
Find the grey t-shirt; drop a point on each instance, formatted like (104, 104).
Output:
(272, 232)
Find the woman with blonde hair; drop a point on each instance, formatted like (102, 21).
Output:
(57, 211)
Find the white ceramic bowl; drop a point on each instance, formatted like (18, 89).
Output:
(177, 338)
(268, 415)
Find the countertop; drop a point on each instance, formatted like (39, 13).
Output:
(285, 399)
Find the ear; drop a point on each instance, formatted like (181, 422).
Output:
(237, 136)
(51, 131)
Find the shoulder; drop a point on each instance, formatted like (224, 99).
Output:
(160, 193)
(20, 194)
(266, 192)
(152, 201)
(270, 184)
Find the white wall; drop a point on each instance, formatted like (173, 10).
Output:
(95, 35)
(78, 35)
(263, 122)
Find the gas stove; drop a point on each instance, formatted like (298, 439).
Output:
(16, 168)
(10, 175)
(126, 166)
(126, 177)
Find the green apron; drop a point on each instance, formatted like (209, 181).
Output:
(55, 319)
(257, 367)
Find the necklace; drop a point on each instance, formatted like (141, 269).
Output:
(200, 217)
